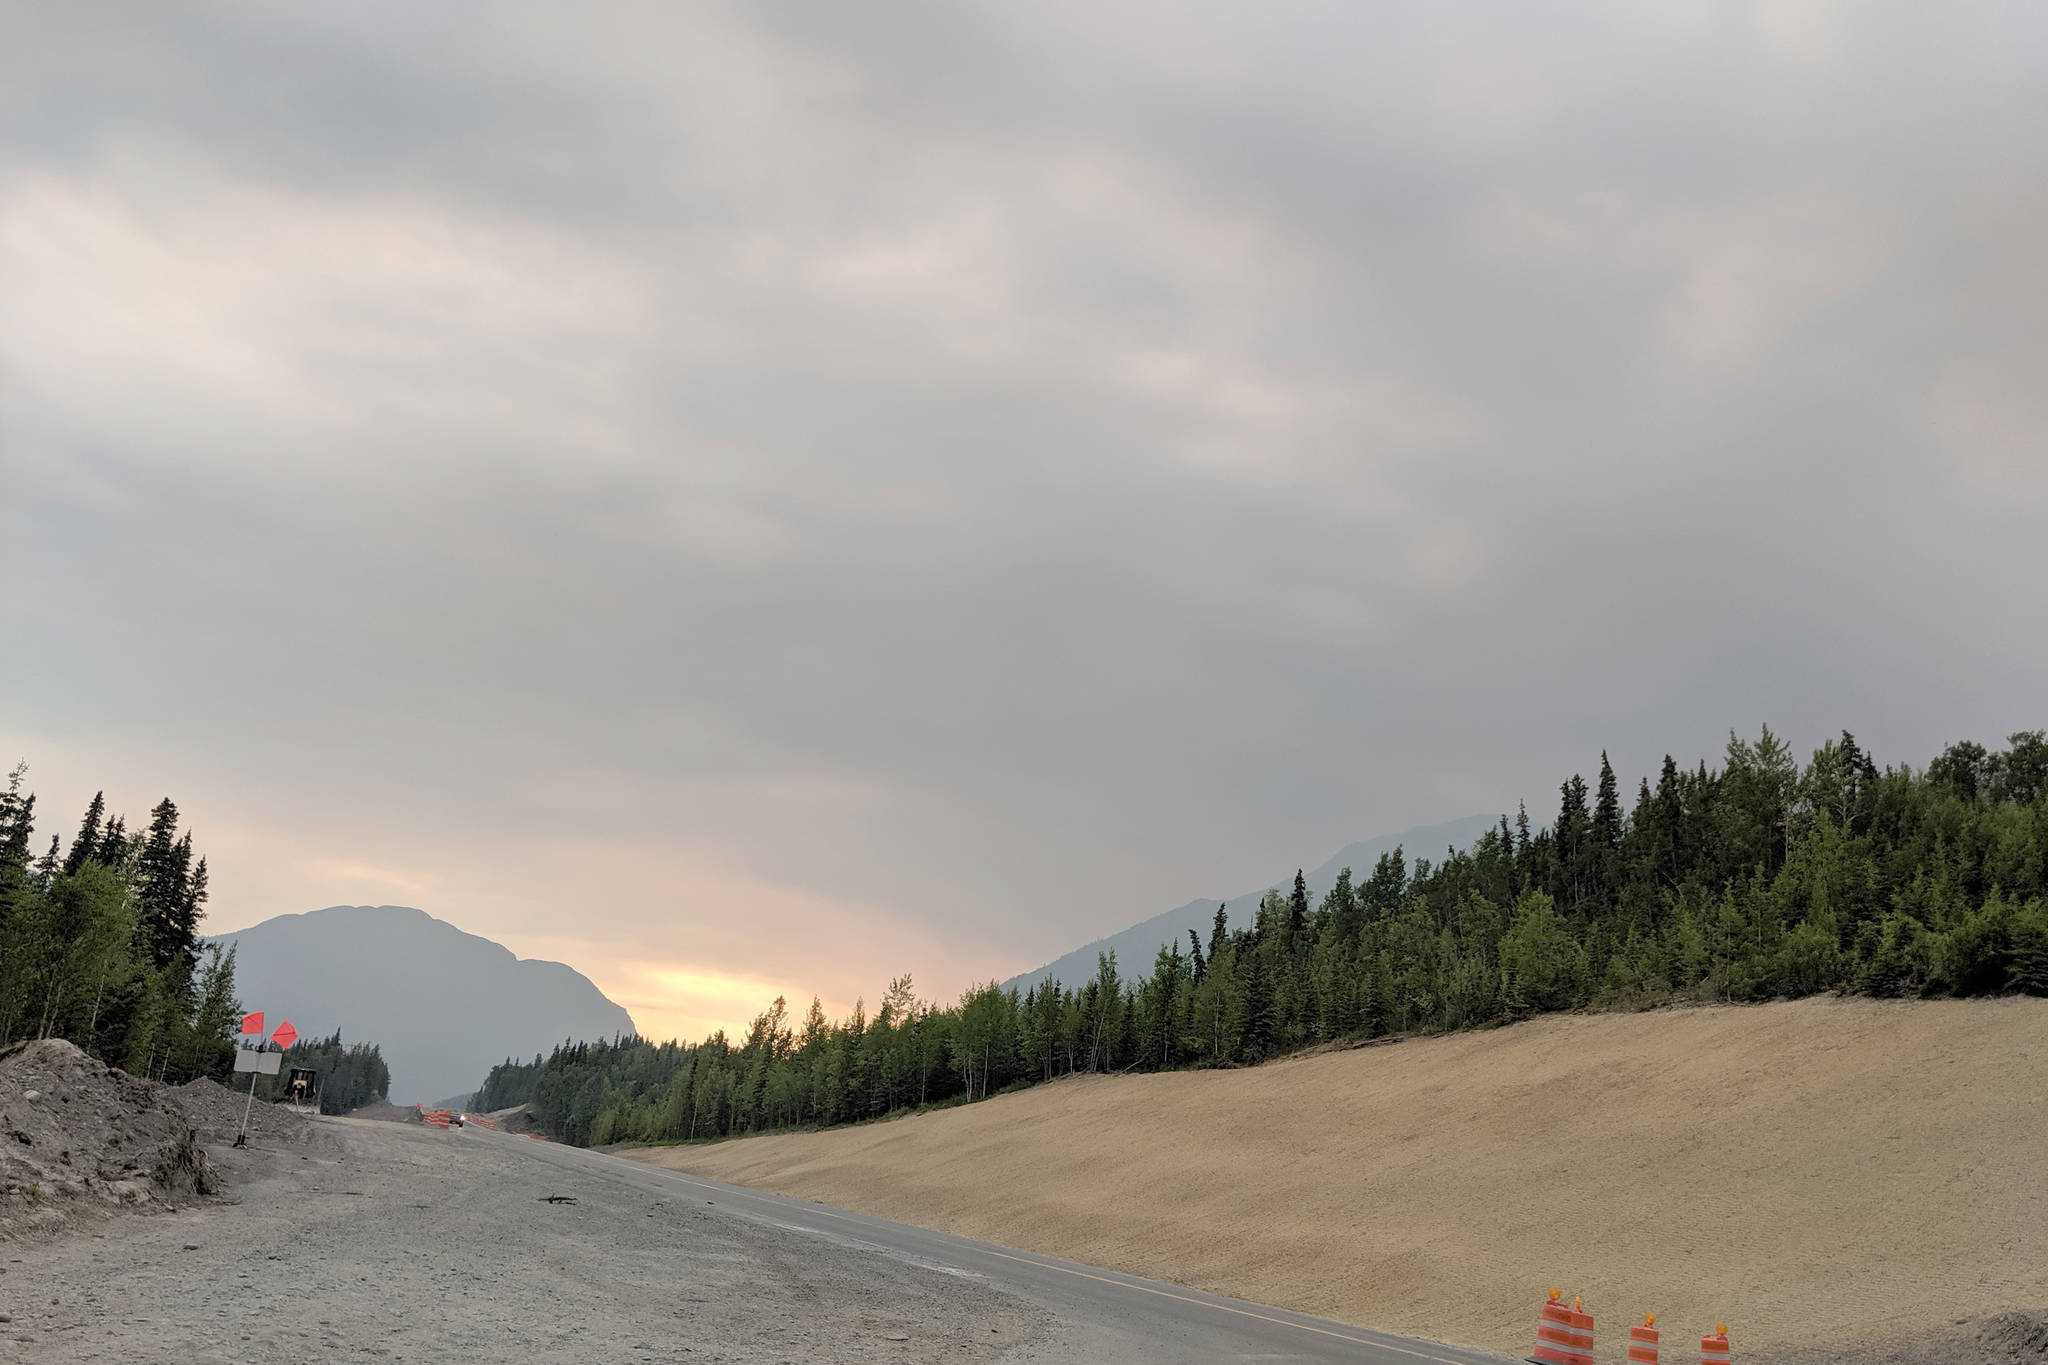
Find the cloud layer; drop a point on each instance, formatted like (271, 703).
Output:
(769, 496)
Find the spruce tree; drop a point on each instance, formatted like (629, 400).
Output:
(17, 818)
(1201, 964)
(87, 845)
(1572, 836)
(162, 888)
(1217, 932)
(17, 821)
(113, 849)
(1260, 1022)
(1525, 857)
(1607, 808)
(1667, 857)
(195, 895)
(1852, 754)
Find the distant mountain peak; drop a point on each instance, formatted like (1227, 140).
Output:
(444, 1004)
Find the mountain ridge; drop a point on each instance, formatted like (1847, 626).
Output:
(443, 1004)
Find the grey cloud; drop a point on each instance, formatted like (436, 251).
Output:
(1018, 466)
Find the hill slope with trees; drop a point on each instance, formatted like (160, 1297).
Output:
(1139, 942)
(1760, 879)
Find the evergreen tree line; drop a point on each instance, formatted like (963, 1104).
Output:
(351, 1075)
(99, 943)
(1757, 880)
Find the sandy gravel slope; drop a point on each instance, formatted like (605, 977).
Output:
(395, 1242)
(1817, 1173)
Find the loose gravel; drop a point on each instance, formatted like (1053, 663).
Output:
(394, 1242)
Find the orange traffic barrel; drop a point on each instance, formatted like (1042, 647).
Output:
(1714, 1346)
(1564, 1336)
(1642, 1341)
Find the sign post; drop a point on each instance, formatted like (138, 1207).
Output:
(258, 1062)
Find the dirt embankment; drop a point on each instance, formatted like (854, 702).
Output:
(217, 1111)
(77, 1135)
(80, 1138)
(384, 1111)
(1850, 1175)
(517, 1119)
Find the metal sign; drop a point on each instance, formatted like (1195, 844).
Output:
(262, 1063)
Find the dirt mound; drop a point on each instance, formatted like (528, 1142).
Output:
(2002, 1339)
(517, 1119)
(76, 1134)
(216, 1112)
(1845, 1174)
(385, 1111)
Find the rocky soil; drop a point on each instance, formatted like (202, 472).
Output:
(78, 1138)
(404, 1243)
(1998, 1339)
(216, 1111)
(385, 1111)
(517, 1119)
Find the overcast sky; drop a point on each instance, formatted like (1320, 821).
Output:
(765, 498)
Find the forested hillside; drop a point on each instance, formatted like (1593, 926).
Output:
(1759, 879)
(99, 942)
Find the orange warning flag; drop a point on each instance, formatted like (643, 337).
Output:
(253, 1023)
(285, 1036)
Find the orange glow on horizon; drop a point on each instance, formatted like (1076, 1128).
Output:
(689, 1003)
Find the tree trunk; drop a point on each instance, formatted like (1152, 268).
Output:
(54, 1004)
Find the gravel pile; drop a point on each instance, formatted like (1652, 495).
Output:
(407, 1245)
(517, 1119)
(2021, 1338)
(216, 1112)
(1997, 1339)
(77, 1135)
(385, 1111)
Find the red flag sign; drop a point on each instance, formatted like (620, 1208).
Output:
(285, 1036)
(253, 1023)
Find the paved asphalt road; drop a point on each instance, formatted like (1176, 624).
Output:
(1102, 1315)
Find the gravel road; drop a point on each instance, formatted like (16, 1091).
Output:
(401, 1243)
